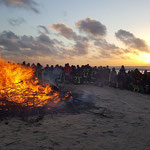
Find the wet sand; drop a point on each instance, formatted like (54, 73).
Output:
(125, 126)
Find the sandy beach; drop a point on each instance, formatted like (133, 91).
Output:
(125, 126)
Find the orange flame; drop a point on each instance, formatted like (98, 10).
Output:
(17, 84)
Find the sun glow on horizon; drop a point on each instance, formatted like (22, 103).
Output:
(144, 57)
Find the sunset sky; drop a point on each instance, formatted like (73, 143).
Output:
(95, 32)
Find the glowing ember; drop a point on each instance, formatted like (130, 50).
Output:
(17, 84)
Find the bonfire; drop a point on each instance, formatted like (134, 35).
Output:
(19, 86)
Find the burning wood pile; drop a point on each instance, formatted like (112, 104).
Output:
(22, 94)
(20, 90)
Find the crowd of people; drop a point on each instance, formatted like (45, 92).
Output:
(132, 80)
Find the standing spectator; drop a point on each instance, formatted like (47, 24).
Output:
(113, 78)
(67, 71)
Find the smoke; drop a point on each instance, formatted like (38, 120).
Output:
(51, 76)
(86, 96)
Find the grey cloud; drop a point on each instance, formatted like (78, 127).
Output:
(108, 50)
(29, 4)
(118, 53)
(81, 48)
(43, 29)
(81, 38)
(105, 54)
(67, 32)
(92, 27)
(103, 44)
(13, 46)
(16, 22)
(81, 43)
(27, 45)
(8, 35)
(131, 41)
(64, 30)
(45, 39)
(9, 41)
(9, 45)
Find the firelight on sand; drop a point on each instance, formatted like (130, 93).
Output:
(17, 84)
